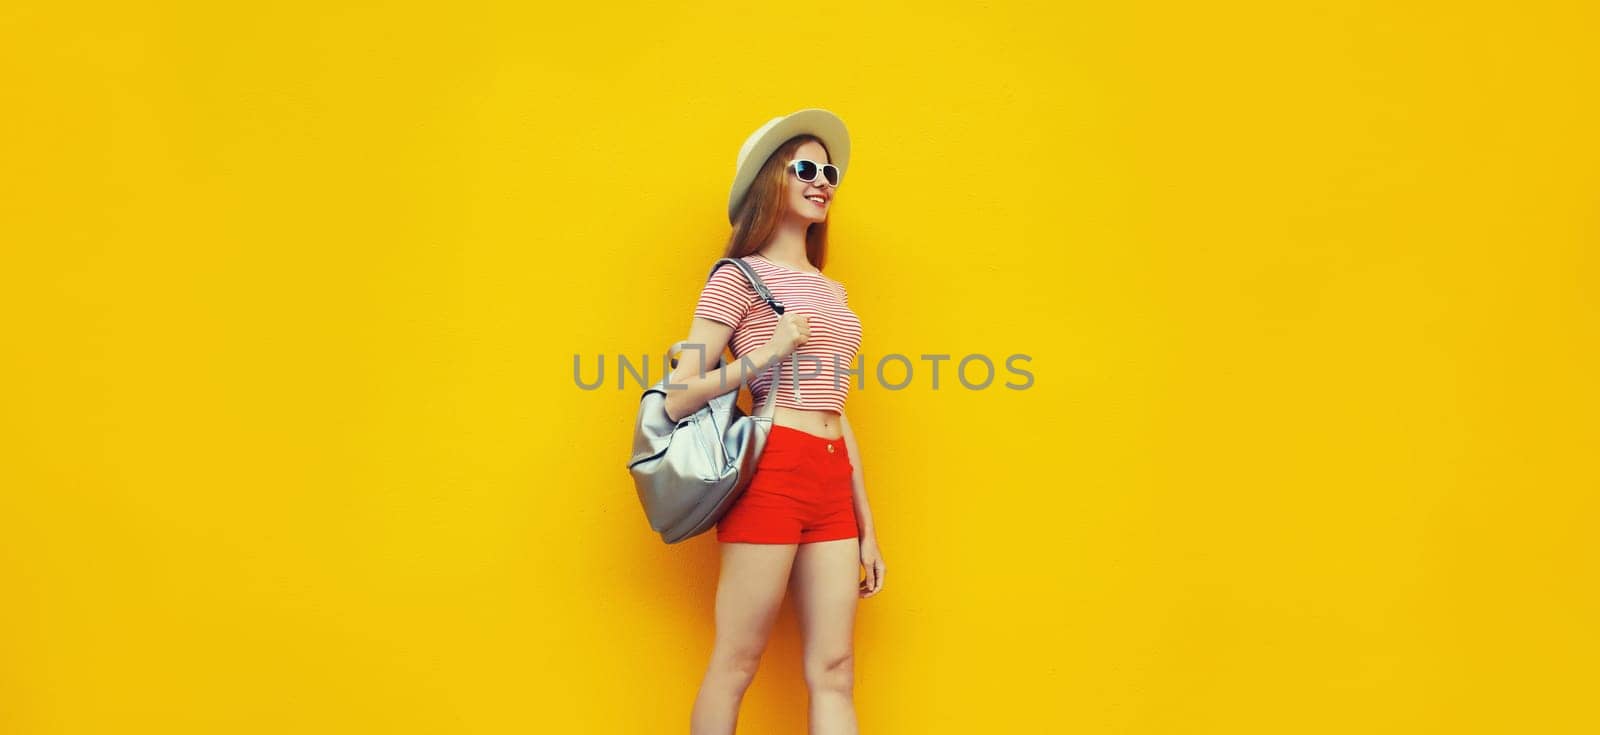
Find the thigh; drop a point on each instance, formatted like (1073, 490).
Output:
(750, 589)
(826, 581)
(767, 512)
(831, 509)
(774, 507)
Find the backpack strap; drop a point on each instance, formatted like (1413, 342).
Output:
(755, 280)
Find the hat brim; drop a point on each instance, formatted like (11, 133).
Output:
(810, 121)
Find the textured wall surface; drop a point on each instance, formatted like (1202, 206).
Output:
(291, 297)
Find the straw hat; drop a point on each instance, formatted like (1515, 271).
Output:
(766, 139)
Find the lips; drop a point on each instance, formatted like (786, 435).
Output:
(813, 198)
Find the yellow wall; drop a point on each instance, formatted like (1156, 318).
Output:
(291, 296)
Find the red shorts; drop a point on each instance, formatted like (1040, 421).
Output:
(801, 492)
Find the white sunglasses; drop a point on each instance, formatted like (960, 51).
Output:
(806, 170)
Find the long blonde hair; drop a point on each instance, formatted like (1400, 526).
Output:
(764, 207)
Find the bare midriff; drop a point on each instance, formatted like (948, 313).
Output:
(825, 424)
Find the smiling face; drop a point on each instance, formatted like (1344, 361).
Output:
(802, 197)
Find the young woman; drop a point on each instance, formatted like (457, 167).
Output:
(803, 522)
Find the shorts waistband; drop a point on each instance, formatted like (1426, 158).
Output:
(808, 442)
(806, 435)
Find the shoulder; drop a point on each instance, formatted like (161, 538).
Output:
(769, 273)
(727, 273)
(756, 263)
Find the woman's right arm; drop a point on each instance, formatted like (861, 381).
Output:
(694, 384)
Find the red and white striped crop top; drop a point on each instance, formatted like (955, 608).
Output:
(816, 376)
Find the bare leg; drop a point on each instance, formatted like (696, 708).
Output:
(825, 584)
(750, 590)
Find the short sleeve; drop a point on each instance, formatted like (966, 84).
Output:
(727, 296)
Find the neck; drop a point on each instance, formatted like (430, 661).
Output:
(788, 244)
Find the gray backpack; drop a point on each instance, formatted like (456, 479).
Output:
(689, 473)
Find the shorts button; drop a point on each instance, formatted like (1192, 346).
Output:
(830, 449)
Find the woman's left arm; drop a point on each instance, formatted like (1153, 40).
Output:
(870, 557)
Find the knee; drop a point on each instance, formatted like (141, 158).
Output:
(738, 667)
(831, 673)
